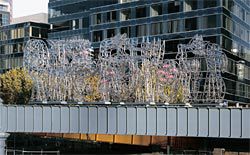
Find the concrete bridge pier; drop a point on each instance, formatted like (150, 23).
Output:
(3, 137)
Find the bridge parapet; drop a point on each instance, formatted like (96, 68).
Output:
(127, 120)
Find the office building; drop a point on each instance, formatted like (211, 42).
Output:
(225, 22)
(13, 38)
(5, 12)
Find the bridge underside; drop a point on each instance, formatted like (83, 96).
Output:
(127, 120)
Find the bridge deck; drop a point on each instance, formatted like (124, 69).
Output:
(127, 120)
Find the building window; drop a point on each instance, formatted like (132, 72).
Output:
(156, 28)
(190, 24)
(231, 66)
(141, 30)
(174, 6)
(97, 36)
(35, 32)
(44, 33)
(110, 33)
(156, 10)
(111, 16)
(173, 26)
(97, 18)
(126, 30)
(209, 3)
(209, 22)
(190, 5)
(140, 12)
(227, 23)
(125, 14)
(85, 22)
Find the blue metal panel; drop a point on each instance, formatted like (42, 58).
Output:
(235, 123)
(131, 120)
(74, 120)
(112, 119)
(246, 123)
(161, 121)
(93, 115)
(38, 118)
(171, 121)
(102, 120)
(182, 121)
(12, 115)
(84, 120)
(203, 122)
(141, 121)
(29, 119)
(214, 123)
(121, 120)
(65, 119)
(47, 119)
(192, 122)
(20, 119)
(56, 120)
(151, 121)
(225, 123)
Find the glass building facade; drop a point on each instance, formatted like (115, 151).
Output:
(225, 22)
(13, 39)
(5, 12)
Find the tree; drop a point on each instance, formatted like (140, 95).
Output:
(15, 86)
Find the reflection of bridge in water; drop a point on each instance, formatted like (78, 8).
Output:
(126, 120)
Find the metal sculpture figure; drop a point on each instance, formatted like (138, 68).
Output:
(202, 85)
(57, 68)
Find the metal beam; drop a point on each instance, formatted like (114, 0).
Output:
(127, 120)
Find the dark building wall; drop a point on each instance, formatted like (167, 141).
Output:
(225, 22)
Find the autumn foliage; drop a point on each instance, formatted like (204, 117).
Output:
(15, 86)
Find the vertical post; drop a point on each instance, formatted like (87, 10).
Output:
(3, 137)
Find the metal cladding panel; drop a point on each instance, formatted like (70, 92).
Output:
(4, 118)
(84, 120)
(65, 119)
(29, 119)
(47, 119)
(192, 122)
(11, 118)
(112, 120)
(141, 121)
(20, 119)
(56, 120)
(182, 122)
(131, 120)
(102, 120)
(93, 115)
(214, 123)
(225, 123)
(151, 121)
(38, 119)
(168, 121)
(74, 120)
(171, 121)
(203, 122)
(121, 120)
(161, 121)
(246, 123)
(236, 123)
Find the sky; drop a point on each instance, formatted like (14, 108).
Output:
(29, 7)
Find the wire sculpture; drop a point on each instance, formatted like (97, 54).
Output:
(127, 70)
(58, 68)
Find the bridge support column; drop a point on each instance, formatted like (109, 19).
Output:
(3, 137)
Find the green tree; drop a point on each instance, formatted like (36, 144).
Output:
(15, 86)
